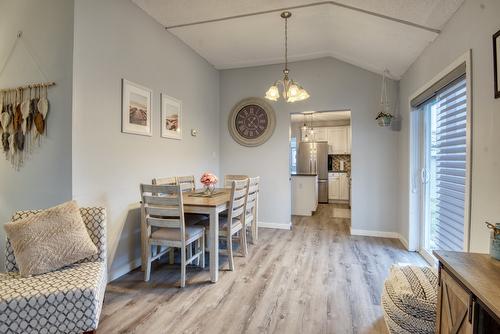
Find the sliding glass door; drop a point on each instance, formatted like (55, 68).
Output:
(441, 146)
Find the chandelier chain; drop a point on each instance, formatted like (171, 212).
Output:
(286, 43)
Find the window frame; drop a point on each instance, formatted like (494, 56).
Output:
(414, 219)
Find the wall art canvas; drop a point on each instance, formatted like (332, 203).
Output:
(171, 117)
(136, 109)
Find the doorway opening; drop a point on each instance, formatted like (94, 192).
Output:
(320, 163)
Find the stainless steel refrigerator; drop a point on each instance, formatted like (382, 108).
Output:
(312, 158)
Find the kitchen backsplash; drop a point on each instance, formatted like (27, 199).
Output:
(335, 162)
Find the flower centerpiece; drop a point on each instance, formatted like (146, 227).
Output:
(209, 181)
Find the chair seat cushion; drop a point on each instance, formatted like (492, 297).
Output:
(174, 234)
(409, 299)
(65, 301)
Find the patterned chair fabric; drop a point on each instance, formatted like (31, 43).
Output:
(64, 301)
(409, 300)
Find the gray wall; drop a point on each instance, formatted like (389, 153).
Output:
(113, 40)
(45, 180)
(333, 85)
(471, 27)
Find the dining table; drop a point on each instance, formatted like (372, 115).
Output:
(211, 205)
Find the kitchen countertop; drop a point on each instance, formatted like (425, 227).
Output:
(303, 174)
(338, 171)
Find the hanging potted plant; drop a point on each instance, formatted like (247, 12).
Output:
(384, 117)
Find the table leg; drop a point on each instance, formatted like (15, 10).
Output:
(214, 245)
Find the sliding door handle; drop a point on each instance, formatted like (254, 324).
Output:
(424, 175)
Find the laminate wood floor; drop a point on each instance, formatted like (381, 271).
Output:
(316, 278)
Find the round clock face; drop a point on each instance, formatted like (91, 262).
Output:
(251, 121)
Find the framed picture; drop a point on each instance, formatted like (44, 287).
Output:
(496, 63)
(136, 109)
(171, 117)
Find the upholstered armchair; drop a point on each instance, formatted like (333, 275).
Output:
(68, 300)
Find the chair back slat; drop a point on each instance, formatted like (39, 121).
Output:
(186, 182)
(238, 203)
(158, 189)
(240, 193)
(228, 179)
(238, 212)
(163, 222)
(160, 199)
(171, 181)
(158, 211)
(251, 201)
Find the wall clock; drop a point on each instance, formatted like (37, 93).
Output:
(252, 122)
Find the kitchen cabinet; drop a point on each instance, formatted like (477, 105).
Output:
(334, 187)
(338, 140)
(321, 134)
(338, 187)
(344, 187)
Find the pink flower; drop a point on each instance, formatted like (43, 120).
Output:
(208, 179)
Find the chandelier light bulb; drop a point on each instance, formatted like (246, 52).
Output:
(273, 93)
(293, 90)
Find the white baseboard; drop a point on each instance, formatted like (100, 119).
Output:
(404, 242)
(125, 269)
(380, 234)
(276, 225)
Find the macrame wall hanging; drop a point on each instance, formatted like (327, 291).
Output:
(23, 114)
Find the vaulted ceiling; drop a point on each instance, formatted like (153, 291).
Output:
(375, 35)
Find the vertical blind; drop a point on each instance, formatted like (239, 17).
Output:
(449, 150)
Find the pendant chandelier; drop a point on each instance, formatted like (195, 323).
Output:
(292, 91)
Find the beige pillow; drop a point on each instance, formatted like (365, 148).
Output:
(50, 239)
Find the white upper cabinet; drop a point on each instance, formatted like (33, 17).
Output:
(339, 140)
(320, 134)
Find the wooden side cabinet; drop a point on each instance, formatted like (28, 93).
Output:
(469, 293)
(455, 306)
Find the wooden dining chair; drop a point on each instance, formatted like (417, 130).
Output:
(169, 181)
(186, 182)
(162, 223)
(228, 179)
(234, 222)
(251, 208)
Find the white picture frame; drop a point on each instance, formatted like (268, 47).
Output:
(171, 117)
(137, 106)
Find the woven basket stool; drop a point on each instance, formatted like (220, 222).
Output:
(409, 300)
